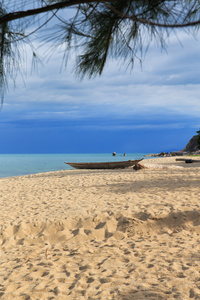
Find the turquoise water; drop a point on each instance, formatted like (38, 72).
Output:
(24, 164)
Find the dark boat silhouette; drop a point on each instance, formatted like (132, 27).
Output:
(104, 165)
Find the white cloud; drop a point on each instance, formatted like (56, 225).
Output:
(167, 84)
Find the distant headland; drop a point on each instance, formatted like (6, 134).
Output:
(191, 148)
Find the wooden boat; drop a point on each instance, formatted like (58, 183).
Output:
(188, 160)
(104, 165)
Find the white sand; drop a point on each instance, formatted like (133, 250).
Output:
(119, 234)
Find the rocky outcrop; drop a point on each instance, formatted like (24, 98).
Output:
(190, 148)
(162, 154)
(192, 145)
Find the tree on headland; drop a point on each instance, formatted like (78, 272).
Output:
(93, 30)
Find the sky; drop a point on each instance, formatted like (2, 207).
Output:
(153, 108)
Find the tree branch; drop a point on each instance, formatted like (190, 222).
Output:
(68, 3)
(148, 22)
(31, 12)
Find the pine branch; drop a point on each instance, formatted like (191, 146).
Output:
(148, 22)
(31, 12)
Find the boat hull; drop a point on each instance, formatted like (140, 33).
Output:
(188, 160)
(104, 165)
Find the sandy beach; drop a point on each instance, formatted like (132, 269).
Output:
(112, 234)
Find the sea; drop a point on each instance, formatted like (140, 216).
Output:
(26, 164)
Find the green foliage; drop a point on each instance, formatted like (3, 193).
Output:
(94, 30)
(121, 30)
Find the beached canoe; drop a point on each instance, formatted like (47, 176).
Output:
(188, 160)
(104, 165)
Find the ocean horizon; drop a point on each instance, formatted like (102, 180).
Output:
(26, 164)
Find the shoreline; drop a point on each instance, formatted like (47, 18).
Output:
(148, 162)
(106, 234)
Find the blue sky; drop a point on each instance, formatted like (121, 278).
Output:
(151, 109)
